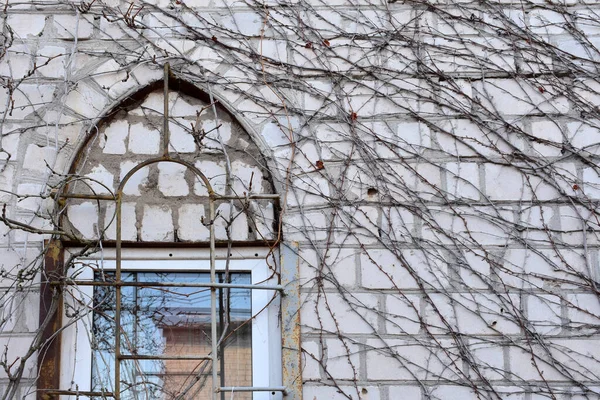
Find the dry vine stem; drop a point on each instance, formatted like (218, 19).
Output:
(438, 161)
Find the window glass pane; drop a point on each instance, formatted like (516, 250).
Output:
(172, 322)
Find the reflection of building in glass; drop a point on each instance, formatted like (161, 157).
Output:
(173, 325)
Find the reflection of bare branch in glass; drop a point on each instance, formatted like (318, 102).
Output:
(170, 322)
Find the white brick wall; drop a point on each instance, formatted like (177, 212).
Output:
(437, 161)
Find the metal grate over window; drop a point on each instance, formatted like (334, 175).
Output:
(170, 324)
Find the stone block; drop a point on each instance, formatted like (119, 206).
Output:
(84, 218)
(157, 224)
(462, 180)
(51, 61)
(311, 367)
(143, 140)
(33, 190)
(171, 179)
(137, 182)
(6, 183)
(101, 180)
(128, 222)
(544, 314)
(402, 314)
(408, 360)
(87, 100)
(216, 173)
(24, 25)
(114, 139)
(73, 26)
(29, 98)
(506, 183)
(343, 359)
(39, 159)
(591, 183)
(190, 226)
(583, 310)
(349, 313)
(181, 140)
(15, 347)
(227, 216)
(488, 356)
(245, 176)
(585, 135)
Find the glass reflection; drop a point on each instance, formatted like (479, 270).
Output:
(171, 322)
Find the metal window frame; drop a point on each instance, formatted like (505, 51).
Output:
(290, 318)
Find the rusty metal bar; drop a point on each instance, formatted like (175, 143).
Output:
(158, 357)
(213, 298)
(84, 196)
(117, 383)
(250, 197)
(169, 284)
(166, 111)
(77, 393)
(282, 389)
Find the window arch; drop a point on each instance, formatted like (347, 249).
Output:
(198, 180)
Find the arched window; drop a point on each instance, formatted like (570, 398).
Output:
(171, 238)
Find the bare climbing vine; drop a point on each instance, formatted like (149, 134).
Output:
(437, 161)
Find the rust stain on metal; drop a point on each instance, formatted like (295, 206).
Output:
(290, 314)
(51, 316)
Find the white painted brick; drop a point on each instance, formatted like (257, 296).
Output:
(171, 179)
(26, 24)
(398, 223)
(239, 224)
(143, 140)
(263, 220)
(190, 226)
(489, 358)
(16, 347)
(462, 180)
(180, 139)
(222, 134)
(505, 183)
(340, 393)
(114, 137)
(405, 392)
(465, 138)
(275, 135)
(342, 359)
(101, 180)
(473, 314)
(20, 311)
(522, 364)
(39, 158)
(455, 392)
(6, 183)
(520, 97)
(362, 224)
(380, 269)
(86, 100)
(53, 60)
(84, 218)
(244, 175)
(128, 222)
(585, 135)
(543, 312)
(29, 98)
(30, 189)
(311, 356)
(547, 22)
(310, 190)
(157, 224)
(583, 309)
(216, 173)
(591, 183)
(402, 314)
(580, 356)
(407, 360)
(309, 225)
(355, 313)
(137, 180)
(476, 273)
(547, 130)
(71, 26)
(10, 144)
